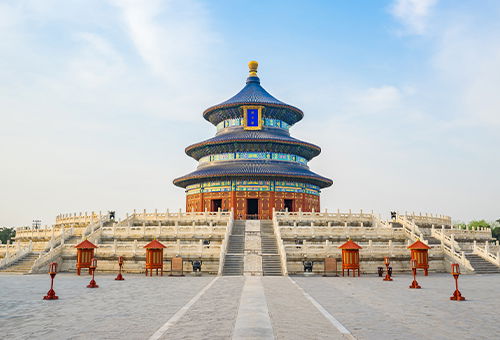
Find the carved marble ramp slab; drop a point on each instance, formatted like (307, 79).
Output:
(253, 321)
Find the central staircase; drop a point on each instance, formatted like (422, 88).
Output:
(271, 262)
(233, 261)
(481, 266)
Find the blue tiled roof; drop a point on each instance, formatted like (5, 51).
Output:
(254, 168)
(255, 94)
(236, 134)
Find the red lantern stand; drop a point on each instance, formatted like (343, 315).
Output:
(420, 253)
(414, 284)
(387, 263)
(154, 257)
(119, 277)
(93, 266)
(84, 255)
(51, 294)
(350, 257)
(455, 271)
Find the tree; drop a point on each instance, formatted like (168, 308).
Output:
(496, 233)
(7, 234)
(478, 224)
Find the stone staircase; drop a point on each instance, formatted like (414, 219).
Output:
(481, 266)
(23, 265)
(233, 261)
(271, 262)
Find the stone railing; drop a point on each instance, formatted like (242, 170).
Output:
(342, 232)
(328, 248)
(469, 234)
(8, 248)
(225, 242)
(18, 255)
(429, 219)
(184, 232)
(378, 223)
(63, 237)
(456, 256)
(45, 259)
(136, 249)
(82, 218)
(410, 228)
(217, 216)
(284, 217)
(486, 254)
(31, 233)
(280, 244)
(449, 240)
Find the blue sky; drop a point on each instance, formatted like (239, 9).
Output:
(100, 98)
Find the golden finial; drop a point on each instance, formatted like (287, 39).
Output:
(252, 66)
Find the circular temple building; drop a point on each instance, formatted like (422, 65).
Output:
(253, 165)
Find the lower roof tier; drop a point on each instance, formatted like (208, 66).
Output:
(253, 170)
(239, 140)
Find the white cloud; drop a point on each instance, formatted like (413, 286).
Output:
(467, 60)
(413, 14)
(378, 99)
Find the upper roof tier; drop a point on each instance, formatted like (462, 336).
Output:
(253, 94)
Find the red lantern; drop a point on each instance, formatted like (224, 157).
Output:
(455, 271)
(51, 294)
(414, 265)
(387, 276)
(120, 264)
(93, 266)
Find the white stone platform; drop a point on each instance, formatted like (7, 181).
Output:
(310, 308)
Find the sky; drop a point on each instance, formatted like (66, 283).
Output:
(98, 99)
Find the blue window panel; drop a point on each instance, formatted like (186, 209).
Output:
(253, 117)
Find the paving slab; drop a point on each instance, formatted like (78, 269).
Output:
(213, 316)
(292, 315)
(374, 309)
(131, 309)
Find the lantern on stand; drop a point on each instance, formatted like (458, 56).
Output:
(420, 253)
(84, 255)
(413, 264)
(387, 275)
(455, 271)
(154, 257)
(120, 265)
(350, 257)
(93, 266)
(51, 294)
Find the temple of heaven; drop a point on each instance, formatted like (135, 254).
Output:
(253, 165)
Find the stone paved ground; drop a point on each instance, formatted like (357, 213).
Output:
(139, 306)
(292, 315)
(373, 309)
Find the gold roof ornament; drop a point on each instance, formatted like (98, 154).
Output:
(252, 67)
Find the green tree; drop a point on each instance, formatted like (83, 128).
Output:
(7, 234)
(496, 233)
(478, 224)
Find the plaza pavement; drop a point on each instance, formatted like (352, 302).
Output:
(249, 308)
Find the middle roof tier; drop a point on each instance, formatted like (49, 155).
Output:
(239, 140)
